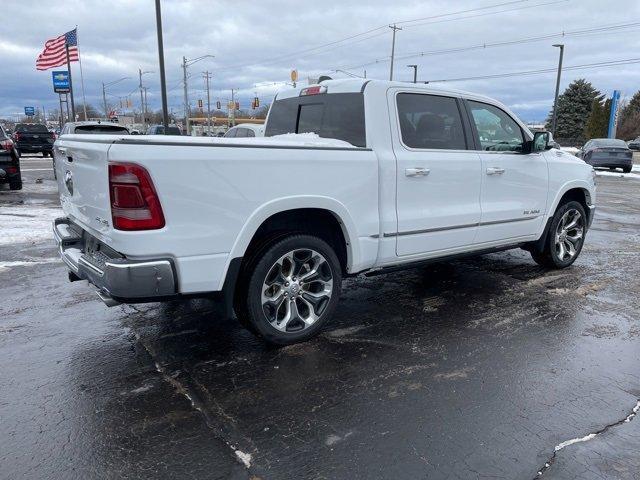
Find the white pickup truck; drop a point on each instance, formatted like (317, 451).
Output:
(402, 174)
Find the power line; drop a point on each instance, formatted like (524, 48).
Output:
(381, 30)
(483, 46)
(583, 66)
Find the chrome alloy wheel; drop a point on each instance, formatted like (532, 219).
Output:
(297, 290)
(569, 235)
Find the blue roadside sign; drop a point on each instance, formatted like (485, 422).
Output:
(60, 81)
(29, 111)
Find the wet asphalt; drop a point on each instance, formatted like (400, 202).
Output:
(470, 369)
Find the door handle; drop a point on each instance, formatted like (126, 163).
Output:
(495, 171)
(416, 172)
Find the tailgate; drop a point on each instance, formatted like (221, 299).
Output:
(83, 184)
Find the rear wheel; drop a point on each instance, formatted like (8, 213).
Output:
(292, 290)
(565, 237)
(626, 169)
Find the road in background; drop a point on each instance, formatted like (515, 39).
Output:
(469, 369)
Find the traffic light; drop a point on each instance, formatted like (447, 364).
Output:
(200, 103)
(256, 103)
(218, 105)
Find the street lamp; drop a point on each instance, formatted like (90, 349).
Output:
(415, 72)
(555, 100)
(104, 93)
(143, 104)
(187, 63)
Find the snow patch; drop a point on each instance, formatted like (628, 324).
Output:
(26, 224)
(586, 438)
(245, 458)
(6, 266)
(635, 173)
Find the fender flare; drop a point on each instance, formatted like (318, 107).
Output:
(571, 185)
(279, 205)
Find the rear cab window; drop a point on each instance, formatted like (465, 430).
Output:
(31, 128)
(430, 122)
(329, 115)
(100, 130)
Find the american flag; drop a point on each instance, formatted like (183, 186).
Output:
(54, 53)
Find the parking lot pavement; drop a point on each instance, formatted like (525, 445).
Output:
(470, 369)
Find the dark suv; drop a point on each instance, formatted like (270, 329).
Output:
(9, 162)
(33, 138)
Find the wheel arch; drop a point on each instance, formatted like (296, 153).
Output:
(289, 211)
(578, 191)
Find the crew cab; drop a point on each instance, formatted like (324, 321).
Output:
(352, 176)
(33, 138)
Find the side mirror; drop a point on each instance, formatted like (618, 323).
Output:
(538, 144)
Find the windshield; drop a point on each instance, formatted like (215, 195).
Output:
(171, 130)
(31, 128)
(101, 129)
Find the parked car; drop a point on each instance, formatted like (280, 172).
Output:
(607, 152)
(9, 162)
(419, 175)
(634, 144)
(33, 138)
(159, 130)
(245, 130)
(94, 128)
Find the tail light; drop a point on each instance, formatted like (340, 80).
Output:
(6, 145)
(134, 202)
(16, 137)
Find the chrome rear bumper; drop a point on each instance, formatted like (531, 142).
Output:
(117, 278)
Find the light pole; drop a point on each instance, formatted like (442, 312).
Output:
(186, 63)
(163, 78)
(555, 100)
(415, 72)
(104, 93)
(393, 48)
(143, 109)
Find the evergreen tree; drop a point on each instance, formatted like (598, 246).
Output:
(629, 121)
(598, 123)
(574, 108)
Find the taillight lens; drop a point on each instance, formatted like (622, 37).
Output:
(134, 202)
(315, 90)
(6, 145)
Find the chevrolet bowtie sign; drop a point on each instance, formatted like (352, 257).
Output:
(60, 81)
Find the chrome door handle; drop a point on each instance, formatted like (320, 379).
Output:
(495, 171)
(416, 172)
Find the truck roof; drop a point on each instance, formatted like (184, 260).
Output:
(354, 85)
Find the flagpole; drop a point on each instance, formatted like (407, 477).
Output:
(73, 107)
(84, 100)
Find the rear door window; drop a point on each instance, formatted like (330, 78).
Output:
(333, 115)
(430, 122)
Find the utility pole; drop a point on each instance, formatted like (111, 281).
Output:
(141, 100)
(207, 76)
(393, 48)
(415, 72)
(146, 104)
(555, 100)
(186, 95)
(163, 79)
(104, 100)
(233, 108)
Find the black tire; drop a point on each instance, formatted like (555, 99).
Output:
(550, 255)
(626, 169)
(249, 306)
(16, 184)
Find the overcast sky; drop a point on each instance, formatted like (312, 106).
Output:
(256, 44)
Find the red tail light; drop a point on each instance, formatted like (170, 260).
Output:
(6, 145)
(134, 202)
(315, 90)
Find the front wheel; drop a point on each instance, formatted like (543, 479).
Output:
(292, 289)
(565, 237)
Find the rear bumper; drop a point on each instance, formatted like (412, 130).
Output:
(117, 278)
(608, 161)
